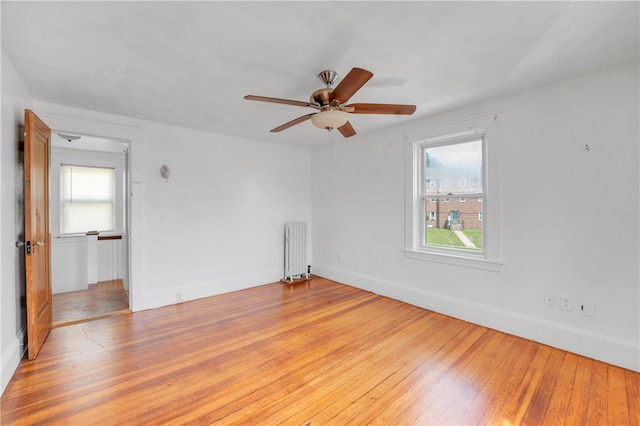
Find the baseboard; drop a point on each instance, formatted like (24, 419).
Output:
(11, 357)
(609, 349)
(208, 288)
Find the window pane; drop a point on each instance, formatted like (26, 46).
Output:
(457, 163)
(87, 199)
(453, 224)
(83, 217)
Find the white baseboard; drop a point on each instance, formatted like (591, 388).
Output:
(11, 358)
(609, 349)
(208, 288)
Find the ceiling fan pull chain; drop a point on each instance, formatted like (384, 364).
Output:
(330, 144)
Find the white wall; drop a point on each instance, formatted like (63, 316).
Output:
(15, 98)
(225, 206)
(570, 218)
(69, 264)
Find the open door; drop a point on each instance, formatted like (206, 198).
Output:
(37, 237)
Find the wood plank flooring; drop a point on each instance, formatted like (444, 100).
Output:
(101, 299)
(318, 353)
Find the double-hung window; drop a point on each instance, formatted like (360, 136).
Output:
(87, 192)
(441, 224)
(87, 199)
(456, 226)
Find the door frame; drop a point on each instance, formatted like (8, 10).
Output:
(134, 200)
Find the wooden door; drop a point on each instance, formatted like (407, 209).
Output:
(37, 238)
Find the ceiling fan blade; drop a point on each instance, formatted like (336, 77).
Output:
(382, 109)
(292, 123)
(350, 84)
(347, 130)
(279, 101)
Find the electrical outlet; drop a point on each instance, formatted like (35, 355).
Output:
(588, 309)
(566, 302)
(549, 300)
(179, 298)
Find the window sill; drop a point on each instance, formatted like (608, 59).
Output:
(450, 259)
(105, 235)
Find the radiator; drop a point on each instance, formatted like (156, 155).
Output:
(295, 250)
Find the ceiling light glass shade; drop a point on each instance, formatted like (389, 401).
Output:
(69, 138)
(329, 119)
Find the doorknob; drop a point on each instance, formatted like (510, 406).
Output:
(28, 245)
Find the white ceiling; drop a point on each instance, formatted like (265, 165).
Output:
(191, 63)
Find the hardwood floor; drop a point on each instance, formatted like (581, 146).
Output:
(102, 299)
(309, 354)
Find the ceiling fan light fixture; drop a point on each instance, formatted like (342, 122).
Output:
(329, 119)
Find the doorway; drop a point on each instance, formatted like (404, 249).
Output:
(89, 229)
(455, 217)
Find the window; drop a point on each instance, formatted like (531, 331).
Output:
(87, 192)
(432, 200)
(459, 232)
(458, 160)
(432, 183)
(87, 199)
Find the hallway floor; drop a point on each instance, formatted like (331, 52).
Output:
(103, 299)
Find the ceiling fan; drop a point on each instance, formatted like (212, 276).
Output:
(330, 102)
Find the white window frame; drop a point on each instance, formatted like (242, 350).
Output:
(485, 126)
(72, 197)
(74, 157)
(454, 140)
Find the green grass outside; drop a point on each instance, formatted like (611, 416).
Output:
(447, 238)
(475, 235)
(443, 237)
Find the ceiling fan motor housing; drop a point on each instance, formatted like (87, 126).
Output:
(321, 97)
